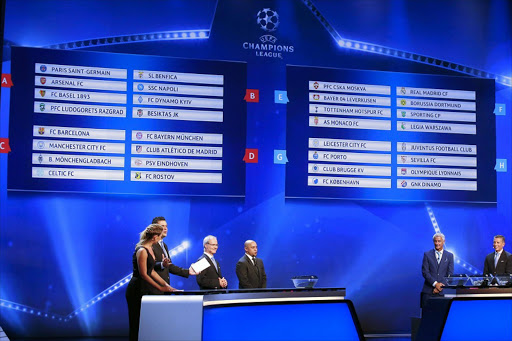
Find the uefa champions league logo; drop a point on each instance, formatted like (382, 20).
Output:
(268, 19)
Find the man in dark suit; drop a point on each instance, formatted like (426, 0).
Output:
(164, 265)
(211, 277)
(249, 269)
(437, 265)
(498, 262)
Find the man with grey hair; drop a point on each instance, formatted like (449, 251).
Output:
(249, 269)
(211, 277)
(437, 265)
(498, 262)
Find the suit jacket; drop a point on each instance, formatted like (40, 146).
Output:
(209, 277)
(249, 275)
(504, 265)
(433, 272)
(164, 273)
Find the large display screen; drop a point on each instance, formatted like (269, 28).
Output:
(389, 136)
(155, 126)
(338, 135)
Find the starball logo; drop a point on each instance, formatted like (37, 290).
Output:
(268, 20)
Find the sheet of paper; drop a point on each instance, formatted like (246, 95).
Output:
(200, 265)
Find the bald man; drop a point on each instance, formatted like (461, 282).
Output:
(249, 269)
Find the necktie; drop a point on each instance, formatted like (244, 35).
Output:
(163, 249)
(496, 257)
(254, 260)
(215, 263)
(438, 256)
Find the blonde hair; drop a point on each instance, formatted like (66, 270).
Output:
(148, 233)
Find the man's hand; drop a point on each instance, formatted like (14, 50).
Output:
(223, 282)
(192, 272)
(166, 262)
(439, 287)
(435, 291)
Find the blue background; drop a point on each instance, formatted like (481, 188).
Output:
(478, 326)
(59, 250)
(300, 321)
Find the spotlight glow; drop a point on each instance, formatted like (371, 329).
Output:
(31, 310)
(125, 39)
(435, 225)
(394, 53)
(114, 287)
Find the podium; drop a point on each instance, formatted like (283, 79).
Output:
(469, 313)
(261, 314)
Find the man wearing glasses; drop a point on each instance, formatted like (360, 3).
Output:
(211, 277)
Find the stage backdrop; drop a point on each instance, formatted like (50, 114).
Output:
(340, 135)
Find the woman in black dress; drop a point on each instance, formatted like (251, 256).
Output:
(145, 280)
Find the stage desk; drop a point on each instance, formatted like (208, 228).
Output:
(262, 314)
(465, 314)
